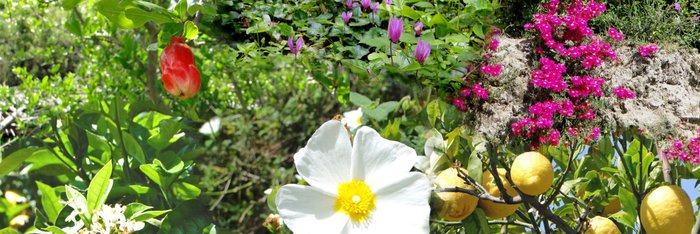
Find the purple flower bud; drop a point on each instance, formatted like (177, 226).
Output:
(374, 6)
(422, 51)
(395, 29)
(346, 16)
(365, 3)
(295, 48)
(418, 27)
(677, 7)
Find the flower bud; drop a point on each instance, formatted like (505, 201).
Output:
(180, 74)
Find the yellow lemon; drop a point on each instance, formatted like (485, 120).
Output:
(601, 225)
(455, 206)
(532, 173)
(612, 207)
(492, 209)
(667, 209)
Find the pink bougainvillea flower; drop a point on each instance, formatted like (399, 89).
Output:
(346, 16)
(615, 34)
(180, 74)
(459, 103)
(648, 50)
(418, 27)
(622, 93)
(491, 70)
(355, 186)
(395, 29)
(422, 51)
(493, 45)
(295, 48)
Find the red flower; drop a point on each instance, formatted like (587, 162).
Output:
(180, 75)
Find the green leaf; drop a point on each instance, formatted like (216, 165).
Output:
(169, 162)
(50, 201)
(628, 201)
(152, 173)
(191, 30)
(189, 217)
(433, 111)
(14, 160)
(55, 230)
(133, 148)
(99, 188)
(271, 200)
(181, 9)
(167, 129)
(359, 99)
(8, 230)
(377, 42)
(134, 209)
(149, 215)
(70, 4)
(185, 191)
(474, 166)
(478, 30)
(79, 200)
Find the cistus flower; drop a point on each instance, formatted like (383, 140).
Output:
(422, 51)
(395, 29)
(346, 16)
(180, 75)
(648, 50)
(363, 186)
(418, 27)
(352, 119)
(295, 48)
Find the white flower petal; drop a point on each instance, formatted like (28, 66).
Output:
(374, 158)
(305, 209)
(325, 160)
(412, 188)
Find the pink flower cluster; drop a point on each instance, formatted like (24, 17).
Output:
(688, 151)
(478, 90)
(567, 41)
(623, 93)
(615, 34)
(648, 50)
(491, 70)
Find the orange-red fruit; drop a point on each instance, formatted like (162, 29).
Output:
(180, 75)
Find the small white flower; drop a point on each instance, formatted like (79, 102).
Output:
(211, 127)
(353, 119)
(434, 148)
(360, 187)
(14, 197)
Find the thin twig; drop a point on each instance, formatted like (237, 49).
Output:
(562, 178)
(518, 223)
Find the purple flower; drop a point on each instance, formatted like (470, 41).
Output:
(422, 51)
(418, 27)
(648, 50)
(677, 7)
(349, 4)
(395, 29)
(365, 3)
(388, 2)
(346, 16)
(295, 49)
(374, 6)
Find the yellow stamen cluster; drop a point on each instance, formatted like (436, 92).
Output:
(355, 199)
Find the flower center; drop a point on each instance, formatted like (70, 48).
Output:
(355, 199)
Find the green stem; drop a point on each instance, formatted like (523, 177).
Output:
(125, 165)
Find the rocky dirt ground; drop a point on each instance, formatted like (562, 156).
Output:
(667, 87)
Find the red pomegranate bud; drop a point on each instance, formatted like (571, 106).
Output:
(180, 75)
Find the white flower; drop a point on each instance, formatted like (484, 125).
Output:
(360, 187)
(353, 119)
(434, 148)
(211, 127)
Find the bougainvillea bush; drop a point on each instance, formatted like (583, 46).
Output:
(322, 116)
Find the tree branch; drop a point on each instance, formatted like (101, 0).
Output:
(551, 197)
(518, 223)
(152, 65)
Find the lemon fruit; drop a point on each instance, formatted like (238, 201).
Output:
(601, 225)
(612, 207)
(492, 209)
(455, 205)
(532, 173)
(667, 209)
